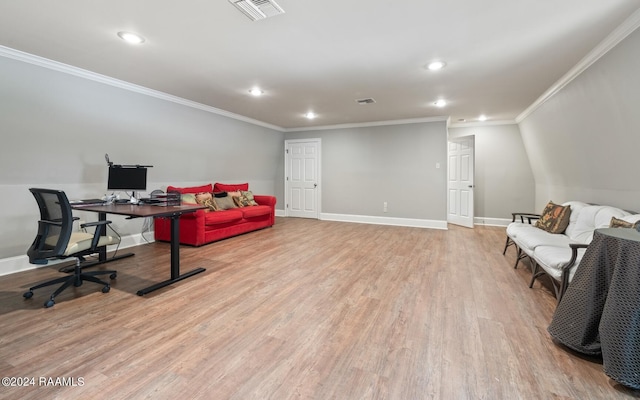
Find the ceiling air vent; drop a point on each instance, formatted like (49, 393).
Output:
(258, 9)
(365, 101)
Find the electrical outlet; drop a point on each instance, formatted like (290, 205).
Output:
(384, 207)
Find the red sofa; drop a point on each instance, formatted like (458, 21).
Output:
(206, 226)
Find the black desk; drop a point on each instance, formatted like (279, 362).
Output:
(600, 311)
(143, 211)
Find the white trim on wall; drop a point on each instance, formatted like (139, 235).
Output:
(92, 76)
(21, 263)
(368, 124)
(367, 219)
(491, 221)
(612, 40)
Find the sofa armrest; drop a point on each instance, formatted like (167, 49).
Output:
(191, 228)
(199, 214)
(574, 254)
(265, 200)
(566, 269)
(528, 216)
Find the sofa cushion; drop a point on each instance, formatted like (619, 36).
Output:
(553, 258)
(222, 217)
(192, 189)
(229, 187)
(576, 206)
(515, 229)
(530, 239)
(554, 218)
(592, 218)
(255, 211)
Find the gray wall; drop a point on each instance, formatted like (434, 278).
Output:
(366, 166)
(583, 142)
(57, 127)
(503, 178)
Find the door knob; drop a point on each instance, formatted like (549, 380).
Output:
(315, 185)
(470, 186)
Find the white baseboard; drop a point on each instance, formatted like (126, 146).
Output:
(12, 265)
(491, 221)
(366, 219)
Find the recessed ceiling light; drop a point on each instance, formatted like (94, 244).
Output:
(256, 92)
(440, 103)
(436, 65)
(482, 118)
(131, 37)
(310, 115)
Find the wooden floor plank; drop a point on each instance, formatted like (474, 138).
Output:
(307, 309)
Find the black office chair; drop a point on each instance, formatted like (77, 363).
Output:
(57, 240)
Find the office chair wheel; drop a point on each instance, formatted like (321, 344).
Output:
(106, 289)
(28, 295)
(113, 276)
(49, 303)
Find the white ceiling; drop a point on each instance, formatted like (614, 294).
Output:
(322, 55)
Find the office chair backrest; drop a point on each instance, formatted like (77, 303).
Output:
(54, 228)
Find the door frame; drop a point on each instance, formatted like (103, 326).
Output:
(318, 191)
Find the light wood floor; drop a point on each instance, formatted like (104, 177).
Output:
(304, 310)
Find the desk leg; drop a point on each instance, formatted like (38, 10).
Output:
(175, 260)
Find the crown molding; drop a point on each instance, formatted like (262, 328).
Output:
(611, 41)
(482, 123)
(18, 55)
(368, 124)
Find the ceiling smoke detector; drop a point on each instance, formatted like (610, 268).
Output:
(258, 9)
(365, 101)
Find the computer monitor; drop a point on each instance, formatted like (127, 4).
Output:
(128, 179)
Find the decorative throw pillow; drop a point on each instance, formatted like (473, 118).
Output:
(225, 203)
(243, 201)
(188, 198)
(235, 193)
(206, 199)
(554, 218)
(249, 196)
(202, 196)
(220, 194)
(619, 223)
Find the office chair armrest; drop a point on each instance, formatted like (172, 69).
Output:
(101, 229)
(49, 222)
(95, 223)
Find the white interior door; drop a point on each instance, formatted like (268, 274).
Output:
(460, 181)
(302, 178)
